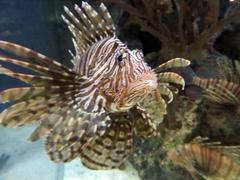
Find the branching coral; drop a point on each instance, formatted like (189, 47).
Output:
(182, 26)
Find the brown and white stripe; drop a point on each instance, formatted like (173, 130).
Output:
(219, 91)
(210, 160)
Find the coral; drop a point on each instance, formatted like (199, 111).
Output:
(187, 113)
(183, 27)
(180, 28)
(219, 124)
(150, 155)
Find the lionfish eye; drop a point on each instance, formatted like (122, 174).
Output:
(121, 55)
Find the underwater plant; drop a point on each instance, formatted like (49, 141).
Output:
(86, 111)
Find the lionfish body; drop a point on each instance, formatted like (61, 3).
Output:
(85, 111)
(209, 160)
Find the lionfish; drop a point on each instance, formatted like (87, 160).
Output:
(210, 160)
(92, 110)
(219, 91)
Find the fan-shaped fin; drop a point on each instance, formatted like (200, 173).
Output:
(22, 112)
(87, 26)
(66, 139)
(34, 57)
(164, 90)
(220, 94)
(143, 122)
(39, 132)
(37, 80)
(55, 100)
(4, 70)
(171, 78)
(230, 151)
(173, 63)
(107, 18)
(37, 68)
(110, 150)
(24, 93)
(219, 91)
(50, 119)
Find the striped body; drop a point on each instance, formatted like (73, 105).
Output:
(207, 161)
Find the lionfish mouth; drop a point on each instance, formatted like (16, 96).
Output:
(151, 84)
(138, 90)
(148, 81)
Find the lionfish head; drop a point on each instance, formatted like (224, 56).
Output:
(134, 79)
(118, 77)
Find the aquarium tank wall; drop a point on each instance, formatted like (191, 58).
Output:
(119, 89)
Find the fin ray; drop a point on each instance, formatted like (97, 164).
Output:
(33, 57)
(173, 63)
(172, 78)
(38, 68)
(68, 138)
(110, 150)
(143, 122)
